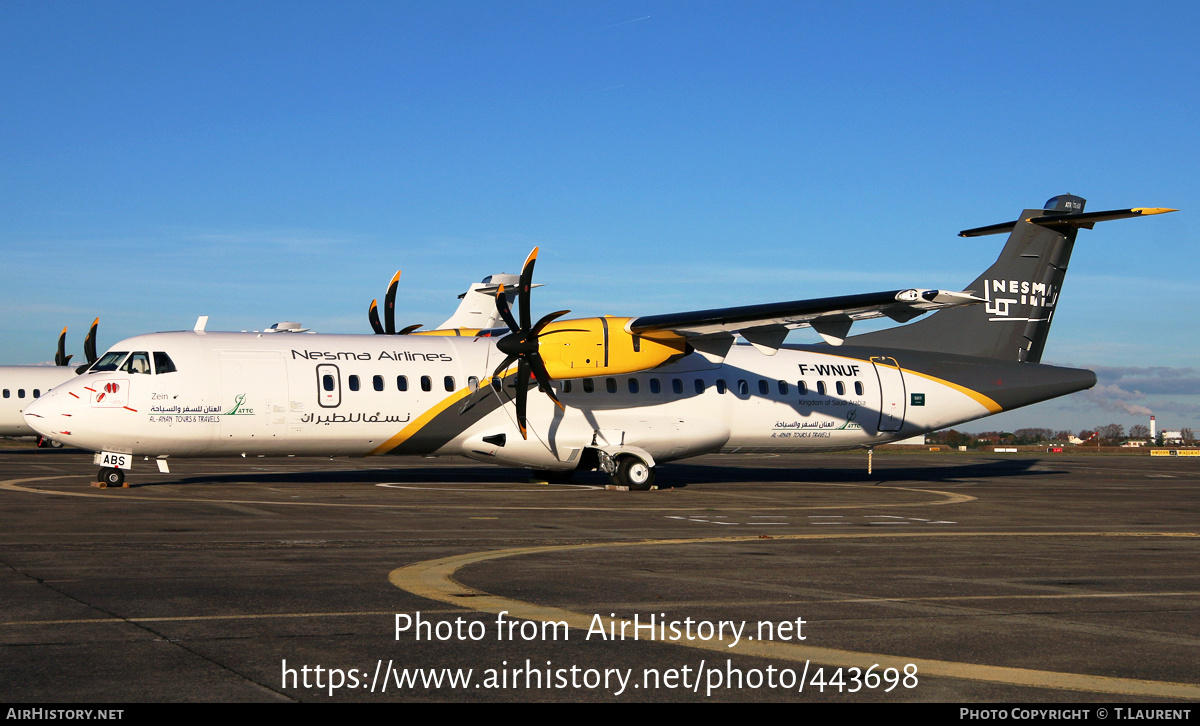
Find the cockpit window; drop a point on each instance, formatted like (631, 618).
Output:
(110, 361)
(163, 363)
(139, 362)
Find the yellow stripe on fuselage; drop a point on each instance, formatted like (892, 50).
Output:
(989, 404)
(410, 430)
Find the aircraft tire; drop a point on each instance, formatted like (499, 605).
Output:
(634, 473)
(112, 477)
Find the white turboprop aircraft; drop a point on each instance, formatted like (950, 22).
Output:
(621, 394)
(20, 385)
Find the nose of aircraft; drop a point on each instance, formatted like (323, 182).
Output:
(43, 414)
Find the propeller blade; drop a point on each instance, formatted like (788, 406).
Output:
(522, 394)
(389, 305)
(410, 328)
(61, 358)
(497, 374)
(373, 316)
(547, 319)
(544, 380)
(504, 310)
(89, 343)
(526, 286)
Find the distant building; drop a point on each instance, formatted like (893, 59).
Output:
(1172, 437)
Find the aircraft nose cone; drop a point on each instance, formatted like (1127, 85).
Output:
(39, 415)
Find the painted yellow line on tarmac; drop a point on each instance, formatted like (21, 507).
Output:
(434, 580)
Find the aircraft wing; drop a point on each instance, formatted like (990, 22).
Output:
(766, 325)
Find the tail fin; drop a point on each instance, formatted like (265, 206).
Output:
(477, 311)
(1021, 289)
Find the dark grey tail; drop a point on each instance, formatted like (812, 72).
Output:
(1021, 289)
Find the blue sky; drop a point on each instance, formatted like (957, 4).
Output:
(269, 161)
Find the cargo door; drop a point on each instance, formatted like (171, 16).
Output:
(892, 396)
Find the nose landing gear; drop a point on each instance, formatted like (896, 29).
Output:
(110, 477)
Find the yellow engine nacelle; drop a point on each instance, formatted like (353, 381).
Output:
(600, 346)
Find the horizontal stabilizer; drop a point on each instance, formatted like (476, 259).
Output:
(1083, 220)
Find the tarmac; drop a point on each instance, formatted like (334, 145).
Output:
(949, 577)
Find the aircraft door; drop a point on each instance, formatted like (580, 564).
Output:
(329, 386)
(891, 389)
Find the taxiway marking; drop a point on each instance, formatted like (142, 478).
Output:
(433, 579)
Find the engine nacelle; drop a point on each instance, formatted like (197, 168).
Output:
(600, 346)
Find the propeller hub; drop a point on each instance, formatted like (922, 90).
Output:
(518, 345)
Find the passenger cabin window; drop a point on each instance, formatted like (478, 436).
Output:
(377, 383)
(588, 385)
(676, 385)
(6, 393)
(472, 383)
(163, 363)
(139, 362)
(764, 388)
(633, 385)
(566, 386)
(783, 388)
(743, 388)
(109, 361)
(610, 384)
(37, 393)
(820, 388)
(720, 385)
(841, 388)
(802, 387)
(655, 387)
(426, 384)
(327, 382)
(448, 383)
(353, 381)
(858, 388)
(401, 383)
(20, 393)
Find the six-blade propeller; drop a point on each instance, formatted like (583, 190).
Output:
(521, 345)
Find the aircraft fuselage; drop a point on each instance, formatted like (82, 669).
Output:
(359, 395)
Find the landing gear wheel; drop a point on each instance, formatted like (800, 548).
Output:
(634, 473)
(111, 477)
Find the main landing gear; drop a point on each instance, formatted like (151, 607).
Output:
(110, 477)
(632, 472)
